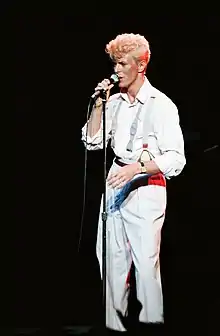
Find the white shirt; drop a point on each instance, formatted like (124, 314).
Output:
(165, 139)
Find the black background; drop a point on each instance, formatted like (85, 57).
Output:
(59, 57)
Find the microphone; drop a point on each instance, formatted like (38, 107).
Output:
(113, 80)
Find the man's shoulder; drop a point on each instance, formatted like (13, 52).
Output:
(161, 97)
(163, 102)
(164, 106)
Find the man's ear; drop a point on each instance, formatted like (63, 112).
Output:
(142, 66)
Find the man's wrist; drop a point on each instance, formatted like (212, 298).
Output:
(138, 167)
(98, 103)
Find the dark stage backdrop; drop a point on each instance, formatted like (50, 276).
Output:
(59, 60)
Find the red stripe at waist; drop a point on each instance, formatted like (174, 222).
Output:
(157, 179)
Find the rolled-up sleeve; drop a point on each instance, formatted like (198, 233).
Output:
(96, 142)
(170, 142)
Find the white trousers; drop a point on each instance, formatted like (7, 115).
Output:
(133, 234)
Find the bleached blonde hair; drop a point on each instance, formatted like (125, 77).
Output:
(133, 44)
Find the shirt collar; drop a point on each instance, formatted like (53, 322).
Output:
(143, 94)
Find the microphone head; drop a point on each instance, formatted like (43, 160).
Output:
(114, 78)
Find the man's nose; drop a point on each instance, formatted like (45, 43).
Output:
(117, 68)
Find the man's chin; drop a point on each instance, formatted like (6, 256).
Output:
(122, 86)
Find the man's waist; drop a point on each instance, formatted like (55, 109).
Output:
(156, 179)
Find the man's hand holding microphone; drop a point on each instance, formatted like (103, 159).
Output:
(104, 86)
(95, 118)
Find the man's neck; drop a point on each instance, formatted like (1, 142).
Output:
(134, 89)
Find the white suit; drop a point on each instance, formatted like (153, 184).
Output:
(133, 226)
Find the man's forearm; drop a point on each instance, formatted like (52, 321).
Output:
(94, 122)
(151, 167)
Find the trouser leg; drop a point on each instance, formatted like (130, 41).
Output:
(143, 216)
(118, 263)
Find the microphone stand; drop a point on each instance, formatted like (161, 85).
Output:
(104, 213)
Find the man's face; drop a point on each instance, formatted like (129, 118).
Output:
(127, 70)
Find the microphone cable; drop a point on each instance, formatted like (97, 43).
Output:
(85, 164)
(85, 176)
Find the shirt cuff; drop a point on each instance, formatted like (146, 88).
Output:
(170, 163)
(95, 139)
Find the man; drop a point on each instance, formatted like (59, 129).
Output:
(143, 125)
